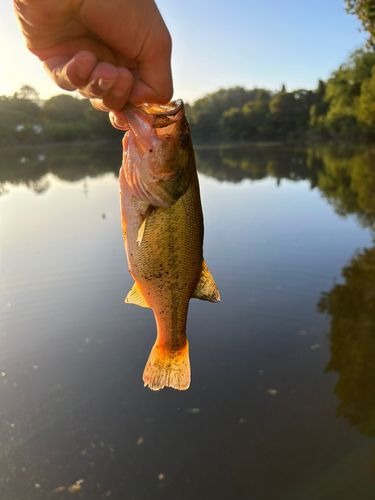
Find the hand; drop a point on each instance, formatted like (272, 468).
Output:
(111, 51)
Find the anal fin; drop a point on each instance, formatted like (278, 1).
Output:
(206, 287)
(135, 297)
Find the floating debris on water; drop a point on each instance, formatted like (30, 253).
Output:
(303, 332)
(87, 341)
(35, 367)
(278, 287)
(161, 477)
(193, 410)
(76, 486)
(59, 489)
(103, 216)
(108, 493)
(241, 421)
(3, 374)
(314, 347)
(272, 392)
(140, 440)
(37, 485)
(9, 305)
(260, 372)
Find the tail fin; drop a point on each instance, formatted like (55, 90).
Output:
(167, 368)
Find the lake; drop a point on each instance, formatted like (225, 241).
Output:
(282, 400)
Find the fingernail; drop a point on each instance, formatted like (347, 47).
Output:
(124, 73)
(120, 123)
(85, 67)
(105, 84)
(118, 93)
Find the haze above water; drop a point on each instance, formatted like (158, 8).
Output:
(282, 400)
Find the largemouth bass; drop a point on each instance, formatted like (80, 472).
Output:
(163, 233)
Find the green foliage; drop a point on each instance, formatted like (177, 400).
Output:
(19, 117)
(63, 108)
(68, 131)
(343, 92)
(24, 118)
(365, 11)
(205, 114)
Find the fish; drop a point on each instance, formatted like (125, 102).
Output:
(162, 224)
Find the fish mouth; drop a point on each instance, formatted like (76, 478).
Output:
(170, 109)
(155, 115)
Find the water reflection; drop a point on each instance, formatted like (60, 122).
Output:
(351, 306)
(343, 174)
(72, 404)
(72, 163)
(235, 165)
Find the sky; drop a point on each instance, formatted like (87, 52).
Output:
(221, 43)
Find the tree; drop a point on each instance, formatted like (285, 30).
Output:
(20, 115)
(284, 109)
(366, 104)
(205, 114)
(365, 11)
(343, 92)
(63, 107)
(319, 108)
(27, 92)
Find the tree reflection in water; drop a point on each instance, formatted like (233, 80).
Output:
(343, 174)
(351, 306)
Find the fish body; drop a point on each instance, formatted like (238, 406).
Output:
(163, 233)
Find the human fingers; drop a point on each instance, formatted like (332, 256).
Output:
(71, 73)
(118, 120)
(118, 95)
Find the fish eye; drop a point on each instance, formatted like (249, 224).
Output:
(183, 140)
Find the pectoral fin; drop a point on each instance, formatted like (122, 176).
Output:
(206, 288)
(142, 229)
(141, 232)
(135, 297)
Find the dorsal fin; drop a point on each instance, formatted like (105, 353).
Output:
(206, 287)
(135, 297)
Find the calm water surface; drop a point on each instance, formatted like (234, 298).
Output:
(282, 400)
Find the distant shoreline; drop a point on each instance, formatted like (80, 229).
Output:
(200, 146)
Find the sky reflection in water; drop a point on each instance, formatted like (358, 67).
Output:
(288, 350)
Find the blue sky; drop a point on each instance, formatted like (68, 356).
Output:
(223, 43)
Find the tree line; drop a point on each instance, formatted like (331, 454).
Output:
(25, 118)
(342, 107)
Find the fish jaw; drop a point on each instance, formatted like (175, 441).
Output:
(139, 176)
